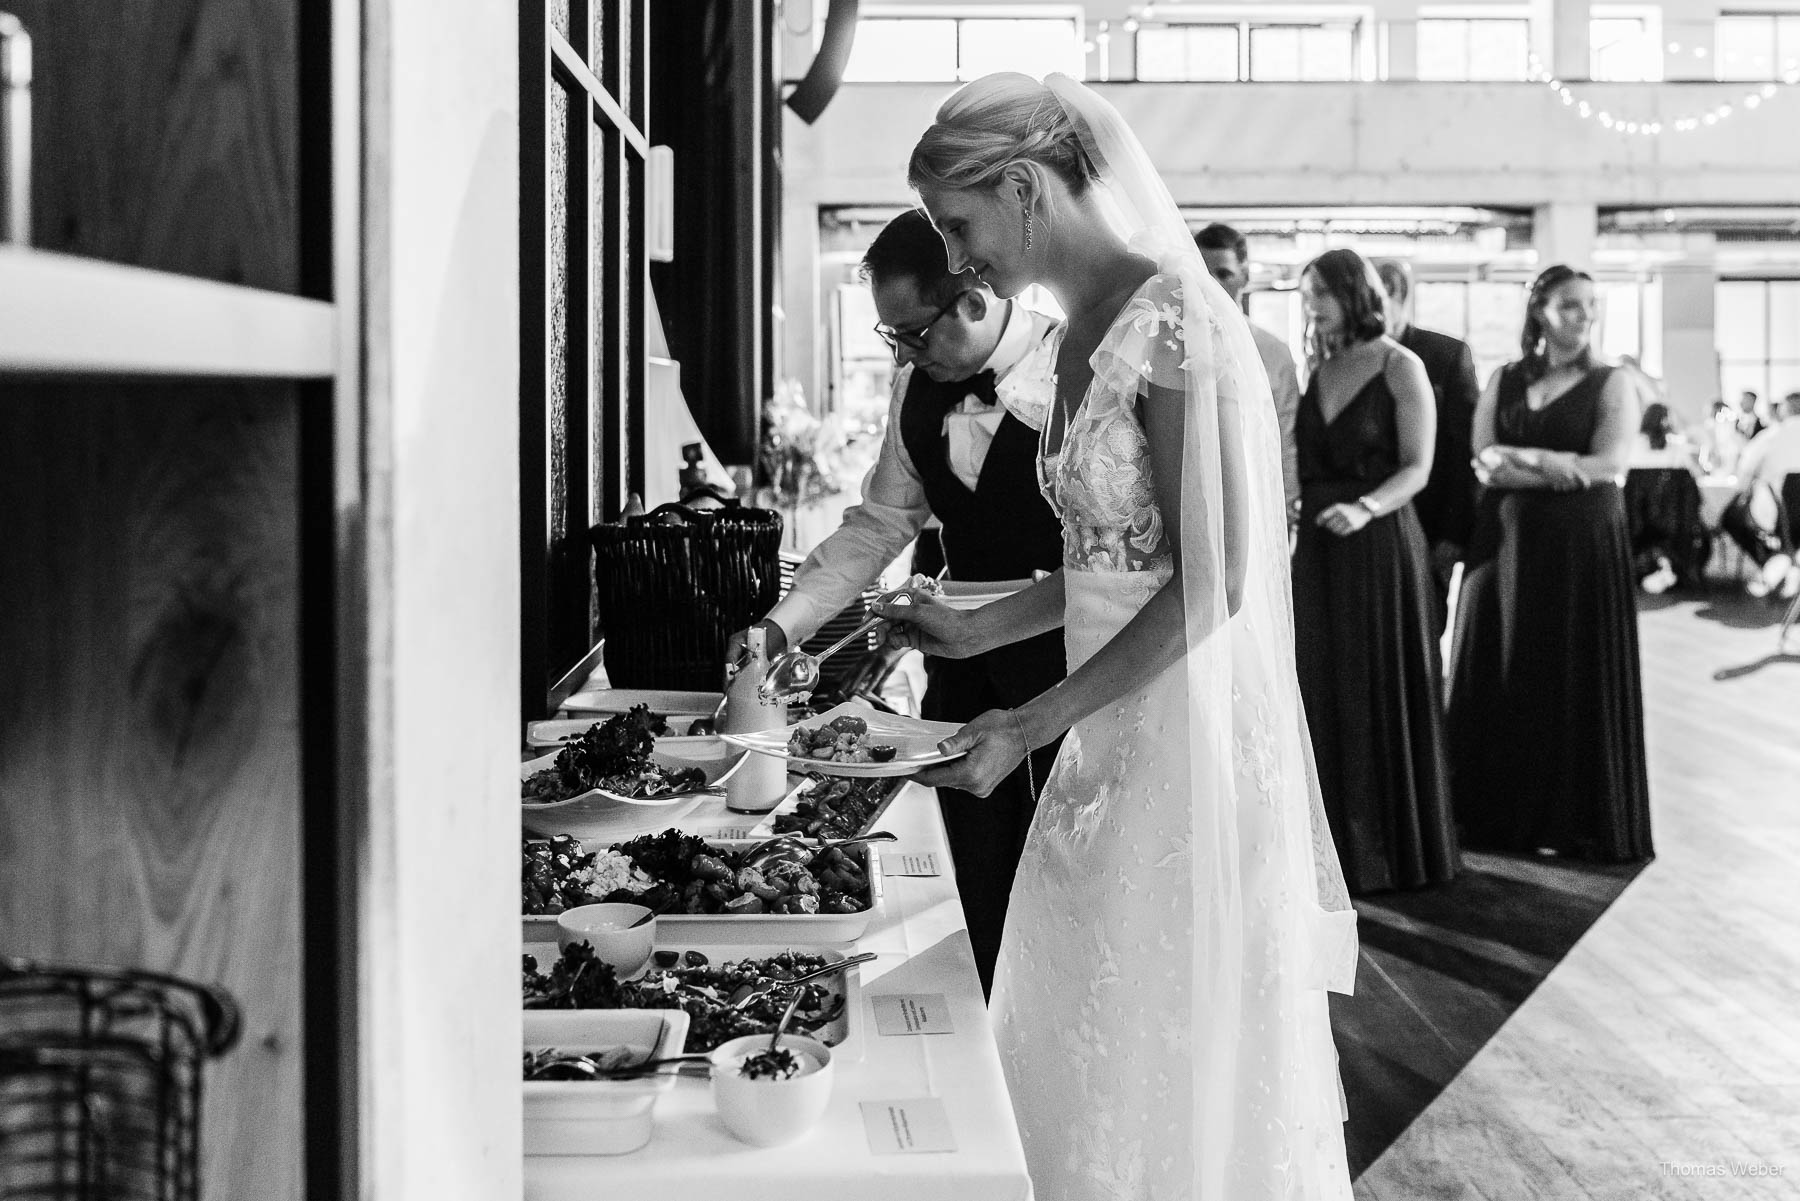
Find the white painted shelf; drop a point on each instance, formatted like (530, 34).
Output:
(62, 314)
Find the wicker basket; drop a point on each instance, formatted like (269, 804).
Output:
(100, 1073)
(672, 587)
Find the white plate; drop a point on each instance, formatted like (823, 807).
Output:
(914, 740)
(973, 594)
(598, 813)
(619, 700)
(791, 929)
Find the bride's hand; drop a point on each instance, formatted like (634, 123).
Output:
(995, 743)
(924, 622)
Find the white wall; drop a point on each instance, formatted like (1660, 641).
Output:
(1322, 144)
(438, 1001)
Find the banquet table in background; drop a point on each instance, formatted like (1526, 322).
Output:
(924, 951)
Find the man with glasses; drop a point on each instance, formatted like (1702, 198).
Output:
(951, 451)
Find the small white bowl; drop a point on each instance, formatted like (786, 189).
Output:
(768, 1113)
(609, 930)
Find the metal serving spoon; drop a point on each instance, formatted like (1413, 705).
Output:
(794, 673)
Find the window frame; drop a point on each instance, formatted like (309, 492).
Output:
(958, 14)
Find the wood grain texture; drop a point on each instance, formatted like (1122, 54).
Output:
(149, 769)
(166, 135)
(1669, 1033)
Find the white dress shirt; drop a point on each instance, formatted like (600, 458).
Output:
(1771, 457)
(1284, 388)
(894, 508)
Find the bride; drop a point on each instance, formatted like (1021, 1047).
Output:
(1179, 913)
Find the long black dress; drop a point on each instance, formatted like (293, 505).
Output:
(1546, 707)
(1365, 621)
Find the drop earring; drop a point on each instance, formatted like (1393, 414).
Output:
(1027, 229)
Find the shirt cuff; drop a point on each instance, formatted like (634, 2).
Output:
(797, 616)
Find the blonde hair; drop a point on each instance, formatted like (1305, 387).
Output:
(991, 124)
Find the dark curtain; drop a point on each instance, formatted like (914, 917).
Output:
(715, 100)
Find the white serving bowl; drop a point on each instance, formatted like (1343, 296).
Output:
(768, 1113)
(598, 814)
(609, 928)
(602, 1117)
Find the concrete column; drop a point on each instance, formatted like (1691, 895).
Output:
(1559, 36)
(1402, 48)
(1563, 232)
(1690, 359)
(1688, 30)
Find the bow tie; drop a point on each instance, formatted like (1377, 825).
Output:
(981, 385)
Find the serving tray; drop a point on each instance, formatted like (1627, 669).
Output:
(735, 929)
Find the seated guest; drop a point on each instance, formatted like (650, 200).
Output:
(961, 444)
(1719, 441)
(1760, 518)
(1749, 420)
(1669, 541)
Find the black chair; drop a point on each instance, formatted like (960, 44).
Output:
(1663, 513)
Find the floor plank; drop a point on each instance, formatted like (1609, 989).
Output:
(1666, 1042)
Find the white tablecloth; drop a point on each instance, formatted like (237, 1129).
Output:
(923, 948)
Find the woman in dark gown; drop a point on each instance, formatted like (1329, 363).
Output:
(1546, 709)
(1365, 607)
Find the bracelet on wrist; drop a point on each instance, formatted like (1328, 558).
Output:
(1369, 505)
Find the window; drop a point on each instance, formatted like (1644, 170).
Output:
(1757, 324)
(1624, 48)
(1303, 52)
(1196, 53)
(952, 49)
(1482, 48)
(1220, 52)
(1756, 45)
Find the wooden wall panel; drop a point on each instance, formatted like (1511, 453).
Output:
(167, 135)
(149, 685)
(149, 763)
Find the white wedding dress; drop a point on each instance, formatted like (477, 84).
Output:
(1136, 1071)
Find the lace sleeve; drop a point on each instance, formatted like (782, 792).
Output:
(1147, 344)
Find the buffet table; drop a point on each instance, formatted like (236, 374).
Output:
(890, 1088)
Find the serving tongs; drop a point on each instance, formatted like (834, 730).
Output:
(578, 1066)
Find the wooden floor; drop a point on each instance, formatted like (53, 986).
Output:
(1662, 1054)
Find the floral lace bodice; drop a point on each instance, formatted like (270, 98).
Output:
(1099, 479)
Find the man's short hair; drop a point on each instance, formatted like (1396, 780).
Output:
(1396, 278)
(909, 248)
(1219, 236)
(1792, 403)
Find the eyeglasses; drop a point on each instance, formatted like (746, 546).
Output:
(914, 339)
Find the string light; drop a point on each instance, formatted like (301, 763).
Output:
(1686, 123)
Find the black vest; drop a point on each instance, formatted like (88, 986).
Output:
(1003, 530)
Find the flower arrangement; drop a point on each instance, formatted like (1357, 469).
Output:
(799, 452)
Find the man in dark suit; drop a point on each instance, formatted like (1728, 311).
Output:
(1446, 505)
(954, 452)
